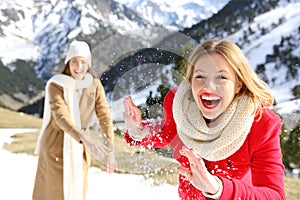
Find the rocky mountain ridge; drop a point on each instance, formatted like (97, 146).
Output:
(38, 32)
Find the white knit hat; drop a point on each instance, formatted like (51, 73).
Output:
(79, 48)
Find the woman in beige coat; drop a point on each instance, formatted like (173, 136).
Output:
(70, 101)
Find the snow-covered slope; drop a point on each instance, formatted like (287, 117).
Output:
(40, 31)
(16, 31)
(176, 14)
(281, 22)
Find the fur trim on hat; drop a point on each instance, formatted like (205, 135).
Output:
(79, 48)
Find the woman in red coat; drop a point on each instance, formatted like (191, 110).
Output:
(220, 126)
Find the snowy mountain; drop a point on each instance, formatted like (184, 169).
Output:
(39, 31)
(273, 42)
(268, 33)
(176, 14)
(58, 23)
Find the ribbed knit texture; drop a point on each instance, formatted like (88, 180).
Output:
(223, 137)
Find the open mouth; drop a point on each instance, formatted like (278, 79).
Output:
(210, 100)
(77, 72)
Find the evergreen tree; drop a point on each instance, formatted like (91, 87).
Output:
(163, 89)
(290, 147)
(181, 61)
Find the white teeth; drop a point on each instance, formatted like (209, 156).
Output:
(210, 98)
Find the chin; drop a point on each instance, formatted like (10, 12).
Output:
(77, 77)
(210, 115)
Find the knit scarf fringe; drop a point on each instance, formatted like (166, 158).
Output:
(72, 150)
(223, 137)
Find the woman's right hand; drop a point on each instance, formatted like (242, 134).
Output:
(133, 120)
(96, 147)
(100, 150)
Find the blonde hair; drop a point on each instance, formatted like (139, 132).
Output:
(253, 86)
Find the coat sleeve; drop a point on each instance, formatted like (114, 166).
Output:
(163, 137)
(266, 165)
(60, 111)
(103, 113)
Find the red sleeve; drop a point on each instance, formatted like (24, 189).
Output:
(266, 164)
(168, 132)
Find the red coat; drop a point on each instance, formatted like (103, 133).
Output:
(255, 171)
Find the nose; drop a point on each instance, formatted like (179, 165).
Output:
(212, 85)
(80, 65)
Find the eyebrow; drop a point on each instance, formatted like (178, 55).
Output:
(196, 70)
(79, 59)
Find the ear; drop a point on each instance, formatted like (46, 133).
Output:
(238, 86)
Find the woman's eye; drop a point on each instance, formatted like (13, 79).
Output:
(221, 77)
(199, 77)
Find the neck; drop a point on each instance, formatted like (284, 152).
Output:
(207, 121)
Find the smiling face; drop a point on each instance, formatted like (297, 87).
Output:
(214, 85)
(78, 67)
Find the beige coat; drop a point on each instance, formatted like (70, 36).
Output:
(49, 175)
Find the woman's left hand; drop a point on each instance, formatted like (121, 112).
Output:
(198, 174)
(110, 162)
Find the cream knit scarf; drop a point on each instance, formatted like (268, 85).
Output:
(72, 150)
(223, 137)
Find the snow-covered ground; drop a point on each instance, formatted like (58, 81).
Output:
(17, 172)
